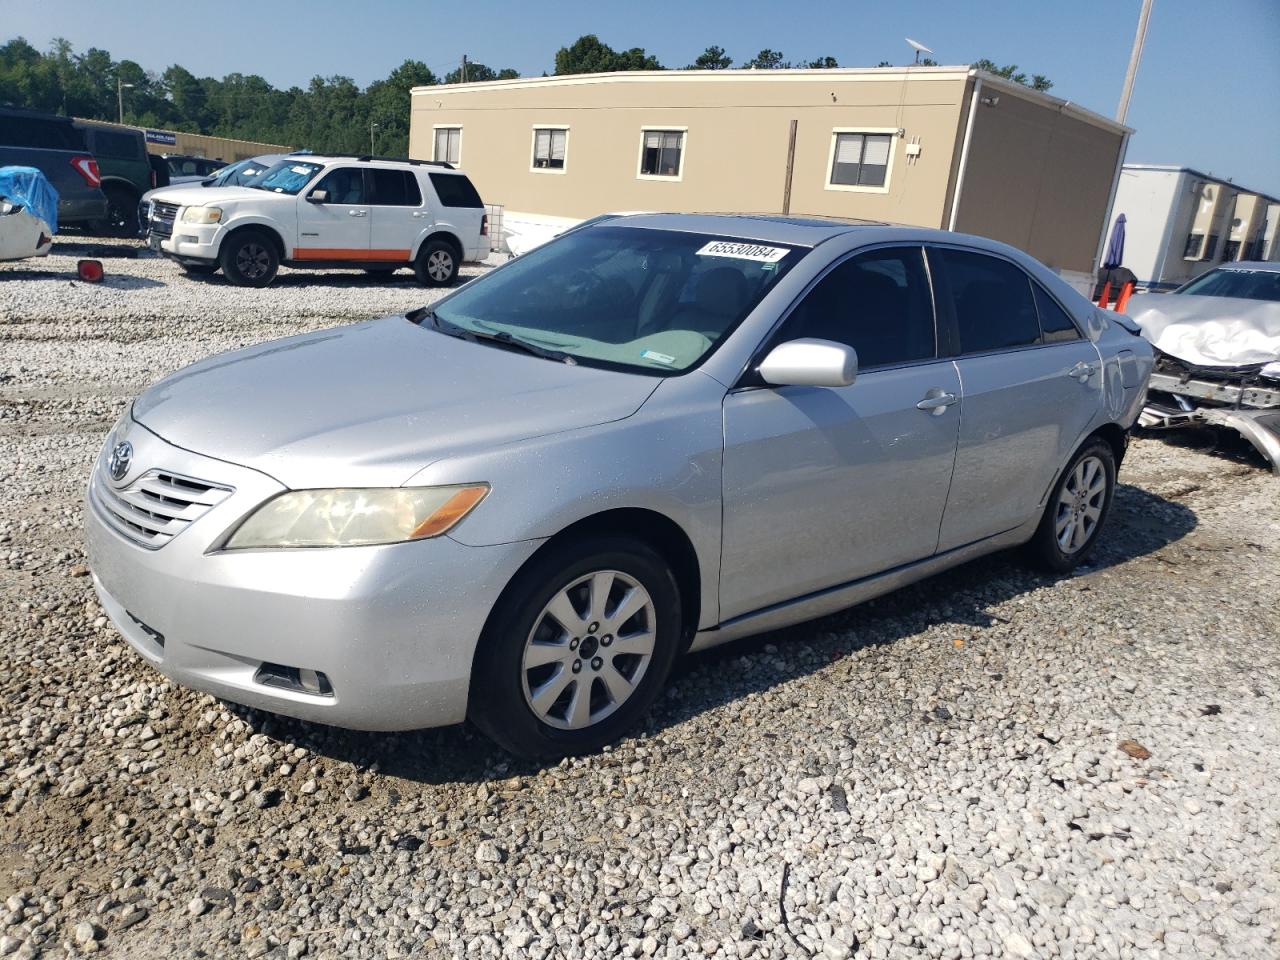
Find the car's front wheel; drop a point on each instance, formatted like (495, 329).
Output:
(249, 259)
(577, 649)
(437, 265)
(1077, 508)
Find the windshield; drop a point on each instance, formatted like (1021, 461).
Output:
(241, 174)
(1241, 284)
(287, 176)
(647, 300)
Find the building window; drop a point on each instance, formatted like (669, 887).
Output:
(549, 145)
(860, 160)
(1195, 243)
(662, 153)
(1233, 250)
(1211, 247)
(448, 145)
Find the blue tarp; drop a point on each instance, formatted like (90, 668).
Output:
(31, 188)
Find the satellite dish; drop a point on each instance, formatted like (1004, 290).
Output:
(918, 47)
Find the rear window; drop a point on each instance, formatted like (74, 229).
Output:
(45, 133)
(116, 146)
(395, 188)
(455, 190)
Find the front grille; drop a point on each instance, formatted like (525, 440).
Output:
(156, 507)
(162, 217)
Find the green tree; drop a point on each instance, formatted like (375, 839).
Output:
(767, 59)
(389, 106)
(712, 58)
(1011, 72)
(823, 63)
(588, 55)
(479, 73)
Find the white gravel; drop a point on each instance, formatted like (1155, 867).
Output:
(990, 764)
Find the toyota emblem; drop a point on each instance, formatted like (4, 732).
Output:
(121, 460)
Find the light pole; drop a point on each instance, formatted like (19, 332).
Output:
(1131, 74)
(120, 87)
(372, 127)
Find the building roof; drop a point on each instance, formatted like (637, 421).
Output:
(1175, 168)
(866, 74)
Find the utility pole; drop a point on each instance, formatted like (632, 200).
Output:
(1131, 74)
(464, 68)
(120, 85)
(372, 127)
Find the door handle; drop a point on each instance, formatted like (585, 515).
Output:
(356, 213)
(936, 402)
(1081, 371)
(421, 214)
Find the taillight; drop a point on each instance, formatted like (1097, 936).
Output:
(87, 167)
(484, 225)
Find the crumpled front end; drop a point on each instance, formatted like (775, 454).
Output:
(1243, 398)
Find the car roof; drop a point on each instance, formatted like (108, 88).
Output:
(393, 162)
(803, 231)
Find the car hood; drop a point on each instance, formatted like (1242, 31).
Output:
(194, 195)
(374, 403)
(1210, 331)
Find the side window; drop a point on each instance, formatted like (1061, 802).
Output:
(455, 190)
(993, 303)
(877, 302)
(344, 185)
(1056, 325)
(47, 134)
(395, 188)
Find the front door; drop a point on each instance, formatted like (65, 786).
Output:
(823, 486)
(1032, 386)
(337, 227)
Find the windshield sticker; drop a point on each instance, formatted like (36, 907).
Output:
(657, 357)
(743, 251)
(299, 169)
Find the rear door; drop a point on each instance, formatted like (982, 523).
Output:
(398, 216)
(827, 485)
(337, 227)
(1032, 385)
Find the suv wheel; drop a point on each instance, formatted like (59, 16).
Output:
(577, 649)
(1077, 509)
(437, 265)
(249, 259)
(121, 219)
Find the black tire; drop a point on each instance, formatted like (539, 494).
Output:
(1069, 506)
(498, 703)
(199, 269)
(437, 264)
(249, 259)
(121, 217)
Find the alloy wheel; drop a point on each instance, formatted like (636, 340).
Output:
(588, 650)
(1080, 504)
(252, 260)
(439, 265)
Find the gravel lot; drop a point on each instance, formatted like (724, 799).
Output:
(992, 763)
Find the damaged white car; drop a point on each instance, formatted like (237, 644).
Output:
(1217, 341)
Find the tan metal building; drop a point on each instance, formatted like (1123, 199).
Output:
(946, 147)
(196, 144)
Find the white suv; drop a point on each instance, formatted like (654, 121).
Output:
(324, 212)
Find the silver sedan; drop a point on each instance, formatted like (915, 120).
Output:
(652, 435)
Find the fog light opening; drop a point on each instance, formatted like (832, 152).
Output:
(298, 679)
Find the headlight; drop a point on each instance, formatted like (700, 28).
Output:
(356, 517)
(201, 214)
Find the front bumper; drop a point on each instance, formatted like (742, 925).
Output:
(198, 242)
(394, 628)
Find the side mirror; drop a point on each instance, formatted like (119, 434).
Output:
(207, 181)
(318, 196)
(810, 363)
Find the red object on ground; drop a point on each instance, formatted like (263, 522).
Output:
(90, 271)
(1122, 301)
(1105, 296)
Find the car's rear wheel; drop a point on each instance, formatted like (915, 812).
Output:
(577, 649)
(249, 259)
(1077, 509)
(121, 217)
(437, 265)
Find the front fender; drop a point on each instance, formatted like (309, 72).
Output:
(288, 239)
(666, 458)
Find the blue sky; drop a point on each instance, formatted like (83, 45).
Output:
(1206, 94)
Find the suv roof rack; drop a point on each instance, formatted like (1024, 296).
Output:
(366, 157)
